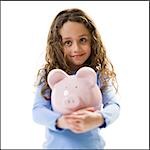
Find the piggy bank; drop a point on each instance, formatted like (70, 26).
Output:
(74, 92)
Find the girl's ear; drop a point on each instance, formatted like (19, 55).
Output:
(88, 74)
(54, 76)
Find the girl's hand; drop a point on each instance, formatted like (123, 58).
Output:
(64, 120)
(81, 121)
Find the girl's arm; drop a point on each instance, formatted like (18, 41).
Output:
(42, 113)
(111, 105)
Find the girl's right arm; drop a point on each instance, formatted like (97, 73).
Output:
(42, 113)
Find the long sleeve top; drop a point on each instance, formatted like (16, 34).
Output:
(66, 139)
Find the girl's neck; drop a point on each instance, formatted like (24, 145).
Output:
(75, 68)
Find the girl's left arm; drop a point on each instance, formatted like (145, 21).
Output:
(111, 106)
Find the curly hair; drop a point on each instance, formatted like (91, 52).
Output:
(54, 50)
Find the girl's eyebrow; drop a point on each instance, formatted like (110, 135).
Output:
(67, 38)
(83, 35)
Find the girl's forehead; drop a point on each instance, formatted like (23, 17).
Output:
(74, 28)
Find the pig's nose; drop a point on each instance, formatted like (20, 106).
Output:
(71, 102)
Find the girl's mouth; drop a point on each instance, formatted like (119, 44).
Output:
(77, 55)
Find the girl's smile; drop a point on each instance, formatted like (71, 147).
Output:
(76, 43)
(78, 56)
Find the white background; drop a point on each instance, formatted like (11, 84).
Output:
(124, 27)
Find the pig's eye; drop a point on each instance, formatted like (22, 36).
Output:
(76, 86)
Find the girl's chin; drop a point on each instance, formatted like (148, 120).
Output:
(78, 64)
(75, 66)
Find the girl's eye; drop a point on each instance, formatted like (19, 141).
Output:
(67, 43)
(83, 40)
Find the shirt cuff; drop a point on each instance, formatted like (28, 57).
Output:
(103, 125)
(58, 127)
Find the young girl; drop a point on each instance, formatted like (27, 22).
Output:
(73, 42)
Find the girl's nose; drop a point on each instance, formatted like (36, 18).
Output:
(76, 47)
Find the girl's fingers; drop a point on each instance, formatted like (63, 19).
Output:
(75, 127)
(87, 109)
(82, 111)
(75, 116)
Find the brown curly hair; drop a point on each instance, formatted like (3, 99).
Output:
(54, 50)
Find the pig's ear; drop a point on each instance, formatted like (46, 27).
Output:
(88, 74)
(54, 76)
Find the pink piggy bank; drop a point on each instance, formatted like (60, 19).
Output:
(73, 92)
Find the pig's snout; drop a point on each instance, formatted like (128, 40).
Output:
(70, 101)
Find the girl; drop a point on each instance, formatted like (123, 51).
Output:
(74, 42)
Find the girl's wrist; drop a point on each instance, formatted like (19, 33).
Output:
(102, 121)
(57, 125)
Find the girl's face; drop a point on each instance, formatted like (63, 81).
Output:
(76, 43)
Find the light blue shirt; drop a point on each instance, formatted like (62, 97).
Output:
(65, 139)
